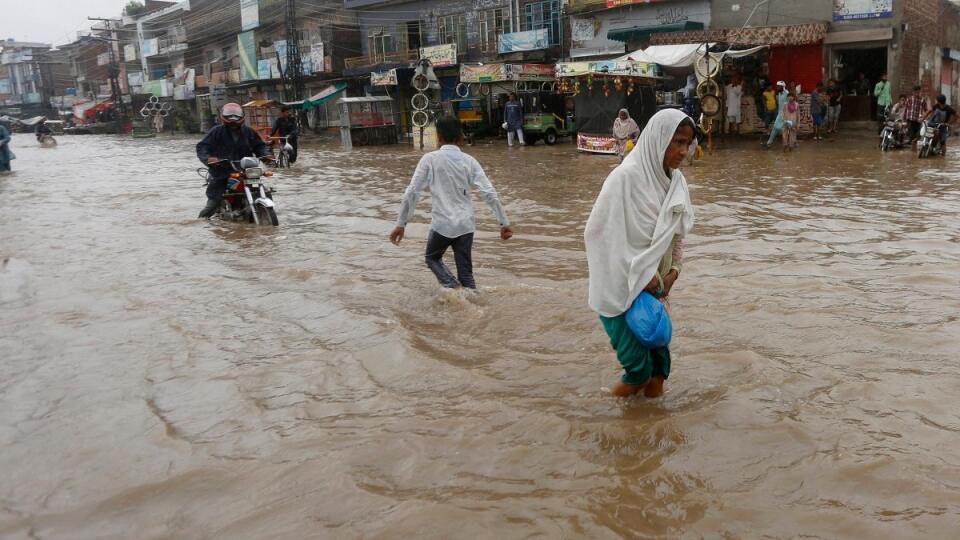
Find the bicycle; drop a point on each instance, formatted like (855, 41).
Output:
(286, 150)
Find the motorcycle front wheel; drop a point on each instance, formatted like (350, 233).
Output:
(266, 215)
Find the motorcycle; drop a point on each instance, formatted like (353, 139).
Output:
(247, 197)
(893, 134)
(46, 140)
(929, 140)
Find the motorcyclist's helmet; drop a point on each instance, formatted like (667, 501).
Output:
(232, 114)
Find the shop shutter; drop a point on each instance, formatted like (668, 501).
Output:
(802, 63)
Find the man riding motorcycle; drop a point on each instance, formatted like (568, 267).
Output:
(230, 140)
(42, 130)
(940, 115)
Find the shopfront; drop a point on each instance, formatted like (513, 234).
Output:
(856, 59)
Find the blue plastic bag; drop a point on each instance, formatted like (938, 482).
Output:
(647, 318)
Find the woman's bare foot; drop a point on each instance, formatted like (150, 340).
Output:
(654, 387)
(622, 389)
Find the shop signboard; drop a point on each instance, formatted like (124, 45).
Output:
(528, 40)
(247, 46)
(847, 10)
(5, 86)
(612, 67)
(484, 73)
(129, 52)
(149, 47)
(534, 72)
(263, 69)
(249, 14)
(386, 78)
(440, 55)
(135, 78)
(103, 59)
(618, 3)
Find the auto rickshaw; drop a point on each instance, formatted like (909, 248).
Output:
(471, 112)
(548, 117)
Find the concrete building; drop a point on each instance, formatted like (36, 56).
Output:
(26, 79)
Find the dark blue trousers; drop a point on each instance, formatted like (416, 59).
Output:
(437, 245)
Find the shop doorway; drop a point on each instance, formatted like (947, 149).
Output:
(857, 70)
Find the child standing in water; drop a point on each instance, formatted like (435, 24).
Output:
(450, 174)
(633, 240)
(791, 121)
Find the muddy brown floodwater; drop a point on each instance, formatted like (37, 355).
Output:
(165, 377)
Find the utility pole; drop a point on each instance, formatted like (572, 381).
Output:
(293, 80)
(113, 71)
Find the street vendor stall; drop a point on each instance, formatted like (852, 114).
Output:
(600, 90)
(259, 114)
(367, 121)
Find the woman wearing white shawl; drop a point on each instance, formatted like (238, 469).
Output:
(633, 242)
(624, 128)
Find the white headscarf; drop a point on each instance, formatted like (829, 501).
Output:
(623, 128)
(635, 217)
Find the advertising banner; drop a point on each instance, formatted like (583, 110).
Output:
(846, 10)
(5, 87)
(129, 52)
(247, 46)
(135, 79)
(612, 67)
(263, 69)
(387, 78)
(316, 58)
(600, 144)
(249, 14)
(529, 40)
(440, 55)
(582, 29)
(103, 59)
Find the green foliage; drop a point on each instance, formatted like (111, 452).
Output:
(134, 8)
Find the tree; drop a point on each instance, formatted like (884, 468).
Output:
(134, 8)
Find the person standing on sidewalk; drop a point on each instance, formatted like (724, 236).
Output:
(450, 174)
(835, 97)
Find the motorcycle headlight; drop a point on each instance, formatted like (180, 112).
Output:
(253, 173)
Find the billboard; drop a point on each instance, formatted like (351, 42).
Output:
(847, 10)
(440, 55)
(529, 40)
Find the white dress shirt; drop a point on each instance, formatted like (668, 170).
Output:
(450, 173)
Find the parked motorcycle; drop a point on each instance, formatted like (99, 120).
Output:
(247, 197)
(929, 140)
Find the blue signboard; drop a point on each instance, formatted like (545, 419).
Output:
(848, 10)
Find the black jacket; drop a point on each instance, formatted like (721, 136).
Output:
(219, 142)
(285, 127)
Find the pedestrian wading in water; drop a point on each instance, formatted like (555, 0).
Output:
(634, 243)
(450, 174)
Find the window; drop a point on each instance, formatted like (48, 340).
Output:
(453, 29)
(493, 22)
(545, 14)
(377, 44)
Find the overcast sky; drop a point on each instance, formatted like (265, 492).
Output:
(52, 21)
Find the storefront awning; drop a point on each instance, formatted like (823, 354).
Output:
(798, 34)
(642, 33)
(324, 96)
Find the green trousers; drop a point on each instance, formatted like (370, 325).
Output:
(639, 363)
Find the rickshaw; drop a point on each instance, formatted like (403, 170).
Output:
(546, 117)
(471, 112)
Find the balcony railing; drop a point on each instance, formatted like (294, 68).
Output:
(397, 57)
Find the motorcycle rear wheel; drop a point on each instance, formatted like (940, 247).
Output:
(267, 216)
(283, 161)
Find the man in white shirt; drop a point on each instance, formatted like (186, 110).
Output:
(732, 94)
(450, 174)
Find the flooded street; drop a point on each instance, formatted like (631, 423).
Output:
(167, 377)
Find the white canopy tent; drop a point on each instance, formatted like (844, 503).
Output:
(687, 55)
